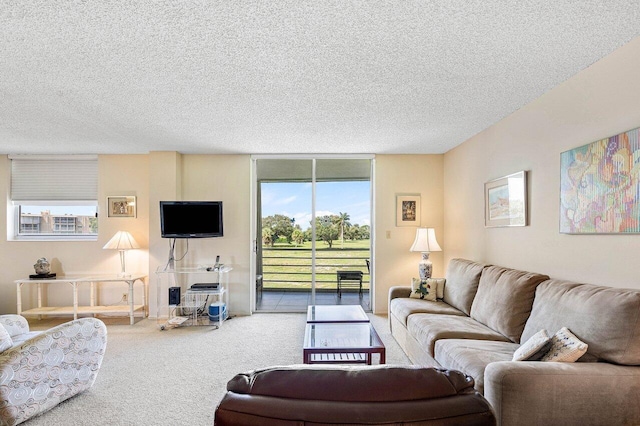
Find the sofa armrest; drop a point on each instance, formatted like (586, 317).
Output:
(399, 291)
(535, 393)
(50, 368)
(15, 324)
(394, 293)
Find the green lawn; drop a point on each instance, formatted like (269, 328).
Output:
(289, 266)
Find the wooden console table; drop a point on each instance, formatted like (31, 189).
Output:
(74, 281)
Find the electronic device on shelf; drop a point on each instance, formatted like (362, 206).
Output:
(205, 286)
(191, 219)
(217, 267)
(174, 295)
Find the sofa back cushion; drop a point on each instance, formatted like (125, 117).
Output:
(462, 283)
(605, 318)
(369, 395)
(391, 383)
(504, 299)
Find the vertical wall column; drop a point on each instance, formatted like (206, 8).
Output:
(165, 183)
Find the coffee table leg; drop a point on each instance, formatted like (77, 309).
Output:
(383, 357)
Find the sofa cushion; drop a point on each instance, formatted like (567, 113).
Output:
(607, 319)
(401, 308)
(440, 283)
(427, 329)
(504, 299)
(472, 356)
(462, 283)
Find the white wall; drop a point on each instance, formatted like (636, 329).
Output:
(173, 176)
(226, 178)
(118, 175)
(405, 174)
(601, 101)
(151, 178)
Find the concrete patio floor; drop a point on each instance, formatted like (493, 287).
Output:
(297, 301)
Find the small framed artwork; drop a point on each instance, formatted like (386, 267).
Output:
(505, 201)
(121, 206)
(407, 210)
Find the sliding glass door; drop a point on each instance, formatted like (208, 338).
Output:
(312, 225)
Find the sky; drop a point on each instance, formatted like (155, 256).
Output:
(293, 199)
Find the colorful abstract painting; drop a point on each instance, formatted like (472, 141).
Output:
(600, 186)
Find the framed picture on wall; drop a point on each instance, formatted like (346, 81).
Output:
(505, 201)
(599, 186)
(408, 210)
(121, 206)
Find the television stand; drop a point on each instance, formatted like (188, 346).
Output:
(195, 305)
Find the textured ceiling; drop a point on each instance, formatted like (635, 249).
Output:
(285, 76)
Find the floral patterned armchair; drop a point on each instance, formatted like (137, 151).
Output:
(38, 370)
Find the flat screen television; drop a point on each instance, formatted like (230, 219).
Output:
(191, 219)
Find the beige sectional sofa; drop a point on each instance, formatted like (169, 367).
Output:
(487, 311)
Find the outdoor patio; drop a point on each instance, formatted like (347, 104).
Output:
(297, 301)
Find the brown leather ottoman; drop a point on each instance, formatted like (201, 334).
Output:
(378, 395)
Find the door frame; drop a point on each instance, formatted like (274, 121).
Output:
(254, 241)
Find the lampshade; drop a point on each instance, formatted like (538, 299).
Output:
(425, 241)
(121, 241)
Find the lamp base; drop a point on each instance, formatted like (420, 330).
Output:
(425, 267)
(122, 273)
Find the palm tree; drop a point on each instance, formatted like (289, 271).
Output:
(343, 221)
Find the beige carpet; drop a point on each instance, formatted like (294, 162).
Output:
(178, 376)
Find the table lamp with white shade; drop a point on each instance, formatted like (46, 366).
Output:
(122, 241)
(425, 243)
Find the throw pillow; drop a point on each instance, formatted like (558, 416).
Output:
(440, 282)
(423, 289)
(533, 349)
(565, 347)
(5, 339)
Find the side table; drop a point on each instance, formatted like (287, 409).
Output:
(74, 281)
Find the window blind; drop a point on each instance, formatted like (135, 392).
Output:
(51, 178)
(327, 170)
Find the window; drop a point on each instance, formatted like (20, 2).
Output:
(64, 224)
(29, 224)
(54, 197)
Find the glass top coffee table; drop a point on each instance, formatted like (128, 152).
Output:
(336, 313)
(341, 343)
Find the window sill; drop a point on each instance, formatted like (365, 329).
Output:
(45, 238)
